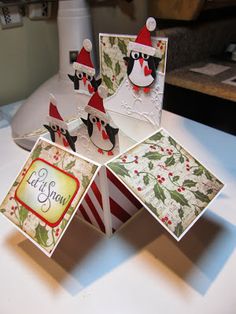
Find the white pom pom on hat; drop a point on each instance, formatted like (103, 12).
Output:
(102, 91)
(87, 45)
(151, 24)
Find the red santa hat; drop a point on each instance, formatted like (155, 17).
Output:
(54, 115)
(83, 61)
(143, 41)
(95, 104)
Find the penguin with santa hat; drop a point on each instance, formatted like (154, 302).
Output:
(84, 77)
(58, 128)
(142, 62)
(100, 132)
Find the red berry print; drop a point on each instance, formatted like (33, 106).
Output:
(136, 171)
(170, 174)
(169, 222)
(139, 189)
(179, 190)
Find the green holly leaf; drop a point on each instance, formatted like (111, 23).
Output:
(70, 210)
(146, 179)
(47, 147)
(202, 197)
(23, 214)
(189, 183)
(152, 208)
(2, 210)
(112, 40)
(150, 165)
(120, 81)
(94, 168)
(107, 60)
(179, 229)
(85, 181)
(179, 198)
(175, 178)
(209, 191)
(122, 47)
(181, 159)
(36, 152)
(153, 156)
(172, 141)
(181, 213)
(41, 235)
(208, 175)
(119, 169)
(159, 192)
(108, 82)
(70, 165)
(198, 172)
(117, 68)
(63, 224)
(15, 183)
(170, 161)
(156, 137)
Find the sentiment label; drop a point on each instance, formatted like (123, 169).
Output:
(47, 191)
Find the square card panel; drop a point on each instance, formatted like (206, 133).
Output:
(171, 184)
(45, 195)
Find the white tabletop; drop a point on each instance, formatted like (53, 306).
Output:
(141, 269)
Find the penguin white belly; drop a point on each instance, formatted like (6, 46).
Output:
(83, 89)
(137, 76)
(59, 139)
(98, 141)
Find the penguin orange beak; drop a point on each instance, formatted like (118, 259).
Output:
(59, 133)
(84, 80)
(99, 126)
(141, 61)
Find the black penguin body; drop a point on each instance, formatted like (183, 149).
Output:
(79, 78)
(53, 130)
(141, 68)
(107, 140)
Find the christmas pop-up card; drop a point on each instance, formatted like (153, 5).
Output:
(107, 165)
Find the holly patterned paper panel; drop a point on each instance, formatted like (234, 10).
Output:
(169, 181)
(46, 193)
(112, 50)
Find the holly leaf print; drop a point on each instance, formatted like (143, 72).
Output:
(159, 192)
(202, 197)
(209, 191)
(208, 175)
(175, 178)
(117, 68)
(85, 181)
(189, 183)
(153, 155)
(2, 210)
(41, 235)
(23, 214)
(119, 169)
(172, 141)
(112, 40)
(156, 137)
(70, 165)
(146, 179)
(181, 159)
(107, 60)
(179, 229)
(36, 153)
(179, 198)
(181, 213)
(170, 161)
(108, 82)
(150, 165)
(122, 47)
(152, 208)
(198, 172)
(15, 183)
